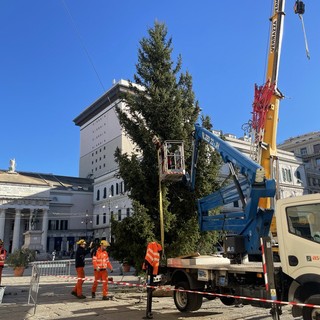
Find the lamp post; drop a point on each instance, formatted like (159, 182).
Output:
(110, 218)
(86, 220)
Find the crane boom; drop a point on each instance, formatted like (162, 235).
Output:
(268, 143)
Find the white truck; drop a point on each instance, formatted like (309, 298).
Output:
(296, 277)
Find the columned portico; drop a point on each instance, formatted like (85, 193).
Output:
(2, 222)
(44, 230)
(16, 231)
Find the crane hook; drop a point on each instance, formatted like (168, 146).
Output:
(299, 7)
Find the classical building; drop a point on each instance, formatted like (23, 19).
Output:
(44, 212)
(100, 135)
(307, 146)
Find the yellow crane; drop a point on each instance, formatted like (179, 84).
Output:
(267, 100)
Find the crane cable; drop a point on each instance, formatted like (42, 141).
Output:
(299, 8)
(305, 37)
(82, 43)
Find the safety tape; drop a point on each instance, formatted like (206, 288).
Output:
(128, 284)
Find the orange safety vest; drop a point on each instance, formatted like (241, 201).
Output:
(153, 256)
(3, 254)
(101, 260)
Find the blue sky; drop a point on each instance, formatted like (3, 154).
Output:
(46, 78)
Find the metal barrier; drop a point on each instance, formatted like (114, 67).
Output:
(54, 268)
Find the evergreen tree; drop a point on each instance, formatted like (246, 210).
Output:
(161, 102)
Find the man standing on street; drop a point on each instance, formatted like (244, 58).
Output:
(80, 262)
(101, 263)
(3, 255)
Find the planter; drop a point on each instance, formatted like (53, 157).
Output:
(18, 271)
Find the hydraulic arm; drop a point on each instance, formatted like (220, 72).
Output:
(251, 222)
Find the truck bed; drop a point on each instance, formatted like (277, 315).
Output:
(216, 262)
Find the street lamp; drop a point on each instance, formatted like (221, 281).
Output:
(86, 220)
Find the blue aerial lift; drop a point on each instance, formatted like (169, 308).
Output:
(248, 225)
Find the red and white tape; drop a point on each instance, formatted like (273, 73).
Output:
(128, 284)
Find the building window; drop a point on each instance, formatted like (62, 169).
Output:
(97, 219)
(236, 204)
(303, 151)
(98, 195)
(286, 175)
(104, 192)
(104, 220)
(318, 161)
(316, 148)
(64, 225)
(58, 225)
(121, 187)
(119, 215)
(298, 174)
(128, 212)
(117, 188)
(112, 190)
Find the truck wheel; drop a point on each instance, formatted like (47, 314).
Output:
(186, 301)
(311, 313)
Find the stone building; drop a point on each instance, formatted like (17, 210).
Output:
(44, 212)
(307, 146)
(100, 135)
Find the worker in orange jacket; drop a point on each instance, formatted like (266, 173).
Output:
(101, 263)
(151, 264)
(152, 257)
(3, 255)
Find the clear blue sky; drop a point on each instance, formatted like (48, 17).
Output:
(46, 78)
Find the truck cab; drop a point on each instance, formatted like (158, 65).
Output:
(298, 223)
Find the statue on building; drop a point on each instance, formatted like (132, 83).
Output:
(34, 220)
(12, 166)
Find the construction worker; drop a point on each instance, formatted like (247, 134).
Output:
(152, 257)
(3, 255)
(151, 264)
(80, 263)
(101, 263)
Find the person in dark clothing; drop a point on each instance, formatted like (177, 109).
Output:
(80, 263)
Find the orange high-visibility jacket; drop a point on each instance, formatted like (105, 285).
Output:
(153, 256)
(3, 254)
(101, 260)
